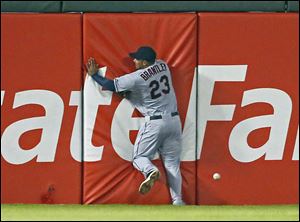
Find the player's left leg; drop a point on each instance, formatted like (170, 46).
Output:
(144, 150)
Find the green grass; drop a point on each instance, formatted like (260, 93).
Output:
(147, 212)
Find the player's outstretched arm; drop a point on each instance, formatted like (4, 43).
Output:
(92, 68)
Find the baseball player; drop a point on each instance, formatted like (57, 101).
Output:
(150, 90)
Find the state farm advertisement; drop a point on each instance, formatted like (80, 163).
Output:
(111, 123)
(248, 108)
(65, 139)
(40, 120)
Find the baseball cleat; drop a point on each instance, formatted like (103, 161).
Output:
(179, 203)
(148, 183)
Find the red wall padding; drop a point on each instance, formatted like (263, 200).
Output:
(248, 124)
(40, 52)
(109, 38)
(269, 45)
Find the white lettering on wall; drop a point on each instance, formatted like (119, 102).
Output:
(123, 122)
(50, 124)
(189, 130)
(93, 97)
(208, 75)
(121, 125)
(76, 138)
(2, 96)
(278, 122)
(296, 149)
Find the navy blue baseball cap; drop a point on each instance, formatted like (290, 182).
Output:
(144, 53)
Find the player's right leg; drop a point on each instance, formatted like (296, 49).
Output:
(170, 153)
(171, 162)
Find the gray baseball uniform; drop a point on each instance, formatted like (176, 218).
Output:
(151, 91)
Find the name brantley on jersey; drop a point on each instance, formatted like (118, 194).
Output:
(153, 70)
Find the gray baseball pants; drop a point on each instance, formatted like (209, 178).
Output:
(165, 136)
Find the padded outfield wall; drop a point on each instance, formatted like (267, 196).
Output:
(236, 76)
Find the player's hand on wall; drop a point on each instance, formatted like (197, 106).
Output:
(92, 66)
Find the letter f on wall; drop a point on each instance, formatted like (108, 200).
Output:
(207, 76)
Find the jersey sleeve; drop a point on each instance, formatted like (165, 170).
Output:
(125, 83)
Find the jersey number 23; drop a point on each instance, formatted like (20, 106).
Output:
(155, 86)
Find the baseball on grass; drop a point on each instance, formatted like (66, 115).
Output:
(216, 176)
